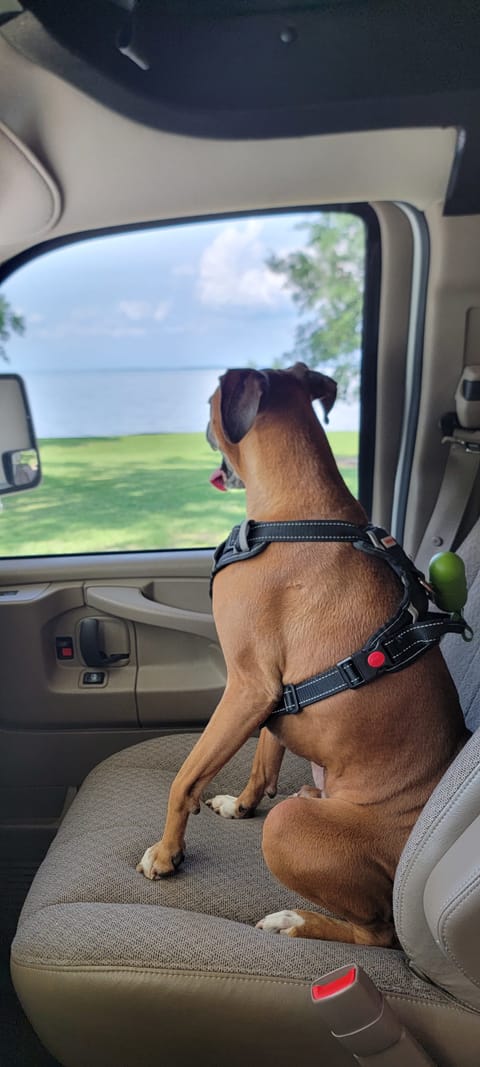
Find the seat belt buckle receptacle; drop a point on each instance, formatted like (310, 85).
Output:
(359, 1017)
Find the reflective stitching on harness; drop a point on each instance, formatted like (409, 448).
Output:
(412, 644)
(420, 641)
(409, 659)
(313, 522)
(282, 539)
(327, 692)
(424, 626)
(303, 685)
(291, 704)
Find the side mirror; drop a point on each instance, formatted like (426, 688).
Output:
(19, 458)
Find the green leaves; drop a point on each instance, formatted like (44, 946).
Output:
(10, 322)
(326, 281)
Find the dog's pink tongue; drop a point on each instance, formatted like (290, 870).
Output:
(218, 480)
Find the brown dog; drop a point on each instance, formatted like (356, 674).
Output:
(283, 616)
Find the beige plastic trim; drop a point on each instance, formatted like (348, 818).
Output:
(115, 171)
(194, 563)
(450, 342)
(175, 674)
(397, 262)
(31, 203)
(451, 902)
(22, 594)
(128, 602)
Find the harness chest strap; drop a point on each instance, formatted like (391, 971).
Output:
(408, 634)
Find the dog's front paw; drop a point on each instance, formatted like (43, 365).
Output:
(158, 862)
(281, 922)
(227, 806)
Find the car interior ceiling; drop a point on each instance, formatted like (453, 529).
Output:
(116, 115)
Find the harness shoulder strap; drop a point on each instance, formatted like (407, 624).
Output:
(411, 631)
(377, 657)
(250, 538)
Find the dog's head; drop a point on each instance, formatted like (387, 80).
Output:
(242, 396)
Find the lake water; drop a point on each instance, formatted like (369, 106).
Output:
(117, 403)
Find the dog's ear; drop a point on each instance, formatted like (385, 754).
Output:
(320, 386)
(241, 394)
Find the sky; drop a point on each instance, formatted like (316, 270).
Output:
(196, 295)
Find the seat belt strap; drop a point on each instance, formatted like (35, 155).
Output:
(461, 429)
(455, 492)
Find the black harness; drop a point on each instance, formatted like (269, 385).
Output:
(411, 632)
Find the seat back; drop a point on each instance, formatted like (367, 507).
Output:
(437, 883)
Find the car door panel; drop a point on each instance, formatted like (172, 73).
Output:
(141, 605)
(173, 672)
(53, 726)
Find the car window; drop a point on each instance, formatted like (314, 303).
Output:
(121, 340)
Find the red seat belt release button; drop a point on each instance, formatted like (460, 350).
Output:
(359, 1017)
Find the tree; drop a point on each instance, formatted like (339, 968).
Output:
(326, 280)
(10, 322)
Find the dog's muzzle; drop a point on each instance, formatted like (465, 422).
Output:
(224, 477)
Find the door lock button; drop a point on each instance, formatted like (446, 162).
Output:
(64, 648)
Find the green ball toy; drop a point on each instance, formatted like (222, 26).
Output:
(447, 575)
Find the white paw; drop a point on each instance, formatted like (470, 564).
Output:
(281, 922)
(224, 805)
(146, 863)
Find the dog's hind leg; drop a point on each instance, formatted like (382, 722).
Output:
(342, 857)
(263, 779)
(310, 924)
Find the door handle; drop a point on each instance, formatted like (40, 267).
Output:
(90, 646)
(129, 602)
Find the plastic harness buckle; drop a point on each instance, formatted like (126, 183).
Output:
(350, 673)
(241, 544)
(292, 707)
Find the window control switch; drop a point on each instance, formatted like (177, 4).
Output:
(93, 678)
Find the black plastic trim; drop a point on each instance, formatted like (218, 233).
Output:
(471, 390)
(369, 365)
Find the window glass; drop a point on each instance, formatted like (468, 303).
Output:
(121, 340)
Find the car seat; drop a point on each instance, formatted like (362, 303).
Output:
(115, 971)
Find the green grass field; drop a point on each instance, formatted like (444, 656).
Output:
(130, 493)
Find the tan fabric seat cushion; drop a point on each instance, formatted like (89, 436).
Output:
(113, 969)
(88, 904)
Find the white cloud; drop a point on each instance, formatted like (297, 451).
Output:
(84, 313)
(183, 270)
(140, 310)
(135, 309)
(127, 318)
(233, 270)
(161, 311)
